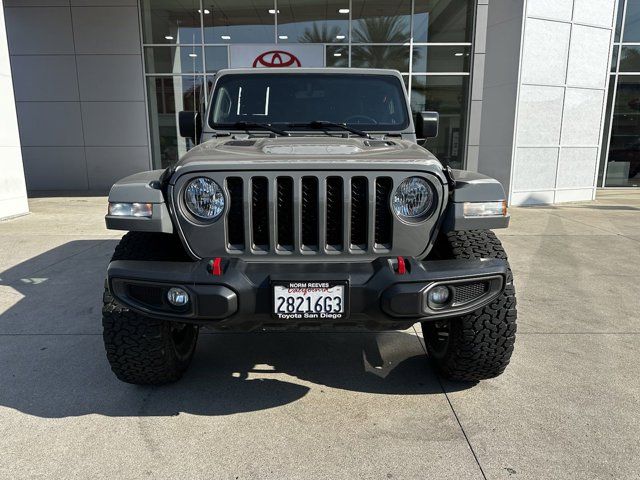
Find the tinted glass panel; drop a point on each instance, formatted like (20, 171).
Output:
(217, 58)
(377, 56)
(167, 96)
(441, 59)
(614, 58)
(173, 59)
(443, 20)
(337, 56)
(632, 22)
(381, 21)
(235, 21)
(313, 21)
(630, 59)
(619, 20)
(623, 167)
(605, 133)
(365, 101)
(447, 96)
(171, 21)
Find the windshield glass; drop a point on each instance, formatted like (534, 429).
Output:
(365, 102)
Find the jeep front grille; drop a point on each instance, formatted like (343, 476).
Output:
(308, 214)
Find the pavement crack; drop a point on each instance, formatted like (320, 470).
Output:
(455, 415)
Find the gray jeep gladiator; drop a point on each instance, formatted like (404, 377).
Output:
(307, 203)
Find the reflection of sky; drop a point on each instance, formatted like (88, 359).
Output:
(421, 27)
(185, 35)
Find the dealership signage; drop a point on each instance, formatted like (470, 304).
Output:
(276, 56)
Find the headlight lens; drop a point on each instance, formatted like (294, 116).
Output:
(204, 198)
(413, 198)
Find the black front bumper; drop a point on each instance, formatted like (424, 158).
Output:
(240, 296)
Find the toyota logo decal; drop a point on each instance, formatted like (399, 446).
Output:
(276, 59)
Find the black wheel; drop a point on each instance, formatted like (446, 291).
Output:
(478, 345)
(140, 349)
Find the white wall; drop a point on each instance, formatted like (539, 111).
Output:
(564, 66)
(13, 194)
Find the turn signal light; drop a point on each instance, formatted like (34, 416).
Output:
(485, 209)
(130, 209)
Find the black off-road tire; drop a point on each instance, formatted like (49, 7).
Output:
(478, 345)
(140, 349)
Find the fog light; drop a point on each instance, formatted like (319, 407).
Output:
(177, 297)
(439, 296)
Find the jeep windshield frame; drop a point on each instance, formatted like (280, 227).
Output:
(293, 101)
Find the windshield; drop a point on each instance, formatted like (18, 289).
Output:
(365, 102)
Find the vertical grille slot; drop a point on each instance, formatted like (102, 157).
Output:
(285, 213)
(235, 217)
(383, 213)
(309, 212)
(359, 220)
(259, 213)
(334, 213)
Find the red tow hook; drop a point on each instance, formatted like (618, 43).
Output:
(402, 266)
(215, 266)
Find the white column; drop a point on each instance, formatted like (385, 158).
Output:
(561, 100)
(13, 192)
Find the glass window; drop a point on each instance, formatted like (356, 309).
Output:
(381, 21)
(446, 95)
(443, 20)
(216, 58)
(234, 21)
(173, 59)
(607, 125)
(630, 59)
(337, 56)
(370, 102)
(167, 96)
(632, 22)
(614, 58)
(441, 59)
(171, 21)
(623, 167)
(378, 56)
(313, 21)
(619, 20)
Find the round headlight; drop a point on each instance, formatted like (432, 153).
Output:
(413, 198)
(204, 198)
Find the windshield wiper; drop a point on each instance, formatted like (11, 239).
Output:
(265, 126)
(323, 124)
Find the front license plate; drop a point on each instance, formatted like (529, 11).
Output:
(310, 300)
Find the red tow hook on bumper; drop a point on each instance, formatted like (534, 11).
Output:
(401, 268)
(215, 267)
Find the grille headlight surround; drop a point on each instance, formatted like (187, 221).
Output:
(413, 199)
(204, 199)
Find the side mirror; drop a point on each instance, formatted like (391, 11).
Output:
(190, 125)
(427, 124)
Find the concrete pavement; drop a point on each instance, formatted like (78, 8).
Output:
(326, 405)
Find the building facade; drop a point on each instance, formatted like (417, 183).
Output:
(540, 94)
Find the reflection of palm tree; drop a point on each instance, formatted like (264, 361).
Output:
(381, 30)
(319, 34)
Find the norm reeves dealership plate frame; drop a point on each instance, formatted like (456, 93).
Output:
(311, 284)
